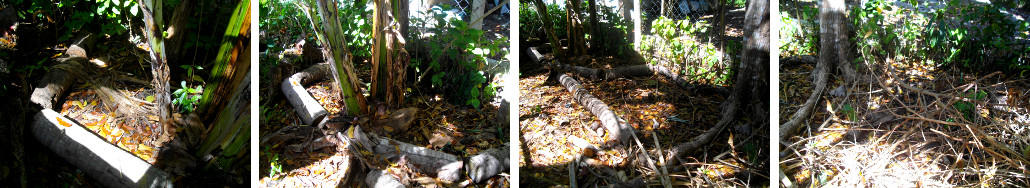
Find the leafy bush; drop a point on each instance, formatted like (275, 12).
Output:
(798, 33)
(959, 34)
(678, 42)
(456, 59)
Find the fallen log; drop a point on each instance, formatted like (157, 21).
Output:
(309, 110)
(105, 162)
(618, 128)
(379, 153)
(54, 84)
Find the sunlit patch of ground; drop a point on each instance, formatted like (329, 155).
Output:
(131, 134)
(548, 116)
(931, 141)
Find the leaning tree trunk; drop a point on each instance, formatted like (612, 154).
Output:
(326, 23)
(750, 74)
(541, 10)
(389, 59)
(230, 131)
(834, 46)
(152, 10)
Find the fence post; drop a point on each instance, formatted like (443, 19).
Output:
(637, 32)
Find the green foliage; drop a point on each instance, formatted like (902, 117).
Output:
(679, 42)
(287, 22)
(968, 108)
(71, 15)
(530, 24)
(460, 53)
(281, 20)
(798, 33)
(186, 98)
(357, 27)
(959, 34)
(850, 112)
(273, 161)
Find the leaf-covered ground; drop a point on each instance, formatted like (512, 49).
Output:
(665, 114)
(907, 122)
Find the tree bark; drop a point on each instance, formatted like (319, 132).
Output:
(152, 11)
(229, 66)
(751, 73)
(389, 58)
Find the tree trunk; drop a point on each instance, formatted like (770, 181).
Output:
(833, 33)
(307, 108)
(833, 46)
(616, 126)
(326, 23)
(541, 10)
(751, 74)
(177, 30)
(53, 85)
(152, 11)
(101, 160)
(389, 58)
(577, 42)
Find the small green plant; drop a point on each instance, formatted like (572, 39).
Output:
(276, 167)
(186, 98)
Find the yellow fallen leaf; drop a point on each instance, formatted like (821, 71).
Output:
(144, 148)
(61, 121)
(388, 128)
(117, 133)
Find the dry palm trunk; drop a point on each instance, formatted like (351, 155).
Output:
(326, 23)
(390, 59)
(834, 47)
(152, 11)
(750, 75)
(625, 72)
(309, 110)
(577, 42)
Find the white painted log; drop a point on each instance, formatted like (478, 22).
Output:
(105, 162)
(489, 163)
(309, 110)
